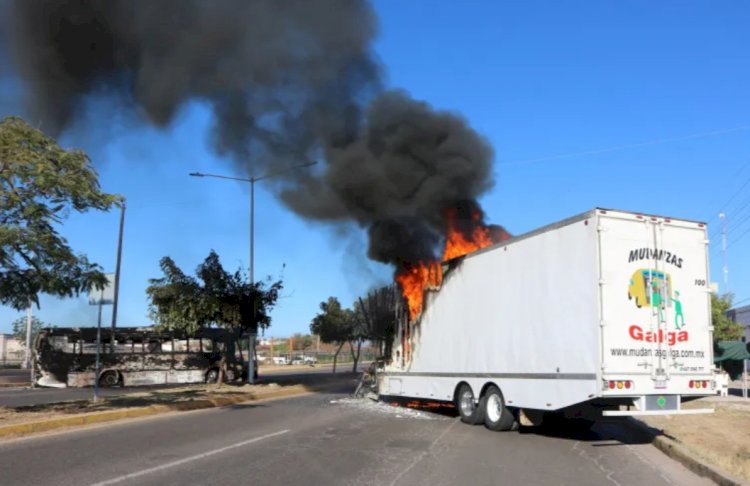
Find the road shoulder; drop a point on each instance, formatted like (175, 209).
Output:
(715, 445)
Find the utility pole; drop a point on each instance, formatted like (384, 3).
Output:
(98, 345)
(27, 358)
(725, 269)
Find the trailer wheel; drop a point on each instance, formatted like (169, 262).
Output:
(471, 413)
(497, 416)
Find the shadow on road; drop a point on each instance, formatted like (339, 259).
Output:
(246, 406)
(620, 431)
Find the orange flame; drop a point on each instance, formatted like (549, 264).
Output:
(414, 279)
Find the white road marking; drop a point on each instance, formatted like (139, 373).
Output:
(144, 472)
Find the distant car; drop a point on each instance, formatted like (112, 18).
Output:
(280, 360)
(304, 360)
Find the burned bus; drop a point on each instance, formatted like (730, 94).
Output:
(66, 357)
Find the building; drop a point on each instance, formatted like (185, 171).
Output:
(11, 350)
(741, 315)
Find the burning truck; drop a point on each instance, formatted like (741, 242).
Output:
(602, 314)
(607, 309)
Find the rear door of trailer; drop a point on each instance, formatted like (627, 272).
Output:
(654, 310)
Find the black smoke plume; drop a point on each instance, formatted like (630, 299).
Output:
(288, 82)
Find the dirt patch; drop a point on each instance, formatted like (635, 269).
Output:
(32, 413)
(721, 439)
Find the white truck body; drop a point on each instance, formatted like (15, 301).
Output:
(609, 308)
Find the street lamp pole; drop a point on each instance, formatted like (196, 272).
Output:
(252, 181)
(117, 278)
(251, 335)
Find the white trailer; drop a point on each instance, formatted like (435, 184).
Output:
(605, 313)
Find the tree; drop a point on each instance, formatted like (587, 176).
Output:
(725, 329)
(40, 184)
(334, 325)
(379, 310)
(302, 341)
(358, 334)
(213, 298)
(19, 328)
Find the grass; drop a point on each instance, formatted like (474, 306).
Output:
(721, 439)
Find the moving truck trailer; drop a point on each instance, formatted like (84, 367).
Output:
(602, 314)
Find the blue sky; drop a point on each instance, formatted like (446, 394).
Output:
(554, 87)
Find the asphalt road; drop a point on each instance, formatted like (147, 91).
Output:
(331, 439)
(18, 397)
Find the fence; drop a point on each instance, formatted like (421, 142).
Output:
(321, 357)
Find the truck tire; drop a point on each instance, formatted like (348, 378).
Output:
(212, 375)
(109, 378)
(496, 415)
(471, 413)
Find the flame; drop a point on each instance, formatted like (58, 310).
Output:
(457, 245)
(415, 279)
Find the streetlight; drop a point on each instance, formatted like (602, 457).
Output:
(252, 181)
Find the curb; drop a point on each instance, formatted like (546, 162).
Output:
(679, 453)
(28, 428)
(15, 385)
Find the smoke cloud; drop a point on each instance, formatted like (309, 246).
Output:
(288, 82)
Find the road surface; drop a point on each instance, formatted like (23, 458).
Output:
(331, 439)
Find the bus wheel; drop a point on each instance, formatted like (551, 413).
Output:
(471, 413)
(212, 375)
(497, 416)
(109, 378)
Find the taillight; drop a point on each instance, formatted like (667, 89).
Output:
(705, 384)
(691, 384)
(620, 384)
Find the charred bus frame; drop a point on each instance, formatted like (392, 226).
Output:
(137, 356)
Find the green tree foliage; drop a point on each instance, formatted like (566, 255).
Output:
(40, 184)
(19, 328)
(334, 324)
(213, 298)
(725, 329)
(372, 318)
